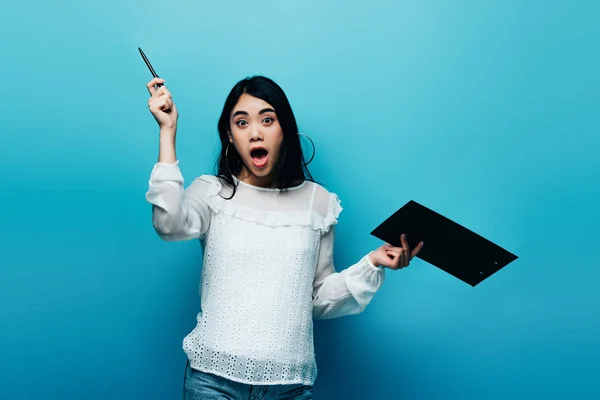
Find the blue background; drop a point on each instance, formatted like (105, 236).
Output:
(486, 112)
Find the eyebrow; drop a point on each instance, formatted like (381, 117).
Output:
(264, 110)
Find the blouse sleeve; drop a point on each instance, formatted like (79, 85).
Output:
(178, 213)
(337, 294)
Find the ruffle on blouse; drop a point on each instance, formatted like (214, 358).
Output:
(271, 218)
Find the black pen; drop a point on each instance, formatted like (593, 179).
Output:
(154, 74)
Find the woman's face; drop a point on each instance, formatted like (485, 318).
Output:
(257, 137)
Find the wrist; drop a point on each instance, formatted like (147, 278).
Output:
(167, 152)
(168, 133)
(373, 265)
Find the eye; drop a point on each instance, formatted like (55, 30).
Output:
(241, 122)
(268, 120)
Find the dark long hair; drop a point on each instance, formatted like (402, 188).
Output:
(290, 169)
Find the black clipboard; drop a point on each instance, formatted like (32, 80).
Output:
(448, 245)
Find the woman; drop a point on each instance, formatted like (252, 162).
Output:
(267, 231)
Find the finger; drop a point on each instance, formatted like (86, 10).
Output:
(405, 245)
(156, 104)
(167, 105)
(402, 259)
(405, 259)
(390, 259)
(158, 96)
(417, 249)
(150, 85)
(165, 96)
(394, 252)
(165, 91)
(159, 104)
(396, 258)
(399, 259)
(165, 99)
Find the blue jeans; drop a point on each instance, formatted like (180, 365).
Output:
(199, 385)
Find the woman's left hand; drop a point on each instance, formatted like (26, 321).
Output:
(394, 257)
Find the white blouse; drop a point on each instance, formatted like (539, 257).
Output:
(267, 272)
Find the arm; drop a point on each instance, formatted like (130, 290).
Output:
(337, 294)
(177, 214)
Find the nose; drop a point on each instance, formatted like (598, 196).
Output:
(255, 133)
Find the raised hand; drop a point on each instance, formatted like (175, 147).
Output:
(161, 105)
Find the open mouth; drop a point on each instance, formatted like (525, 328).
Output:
(259, 156)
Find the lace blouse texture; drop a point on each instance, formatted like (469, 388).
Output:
(267, 272)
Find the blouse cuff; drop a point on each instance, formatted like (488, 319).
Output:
(166, 164)
(364, 279)
(166, 172)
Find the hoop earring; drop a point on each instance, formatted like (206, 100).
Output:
(313, 146)
(227, 159)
